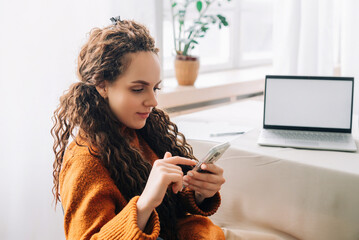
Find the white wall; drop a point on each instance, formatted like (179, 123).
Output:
(39, 44)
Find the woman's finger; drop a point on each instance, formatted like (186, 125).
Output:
(206, 177)
(213, 168)
(175, 180)
(205, 193)
(203, 185)
(170, 166)
(176, 187)
(179, 160)
(167, 155)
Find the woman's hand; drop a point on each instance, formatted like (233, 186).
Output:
(164, 172)
(205, 184)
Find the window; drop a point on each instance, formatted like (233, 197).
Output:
(247, 41)
(256, 28)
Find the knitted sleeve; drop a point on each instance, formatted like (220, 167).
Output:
(93, 206)
(207, 208)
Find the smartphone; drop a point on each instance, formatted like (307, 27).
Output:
(213, 155)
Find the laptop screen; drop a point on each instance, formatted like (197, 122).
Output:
(308, 103)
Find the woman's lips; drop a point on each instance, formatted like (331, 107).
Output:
(143, 115)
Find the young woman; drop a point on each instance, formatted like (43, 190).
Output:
(122, 176)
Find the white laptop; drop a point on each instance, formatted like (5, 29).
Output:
(308, 112)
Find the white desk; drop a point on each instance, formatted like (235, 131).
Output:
(289, 193)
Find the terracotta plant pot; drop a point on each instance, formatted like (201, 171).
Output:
(186, 68)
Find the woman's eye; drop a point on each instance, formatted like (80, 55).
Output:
(137, 90)
(157, 89)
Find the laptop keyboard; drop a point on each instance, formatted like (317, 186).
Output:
(304, 136)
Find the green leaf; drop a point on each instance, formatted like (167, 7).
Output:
(222, 19)
(199, 6)
(204, 29)
(174, 4)
(219, 26)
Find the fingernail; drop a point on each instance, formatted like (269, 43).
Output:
(190, 174)
(203, 166)
(185, 183)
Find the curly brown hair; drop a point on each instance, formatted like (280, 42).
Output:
(103, 58)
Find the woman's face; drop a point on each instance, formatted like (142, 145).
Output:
(133, 95)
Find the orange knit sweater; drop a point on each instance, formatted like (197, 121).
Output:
(94, 208)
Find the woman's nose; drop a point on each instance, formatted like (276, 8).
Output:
(151, 101)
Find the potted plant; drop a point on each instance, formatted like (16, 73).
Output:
(187, 35)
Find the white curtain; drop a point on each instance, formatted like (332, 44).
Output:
(39, 44)
(304, 37)
(311, 37)
(349, 40)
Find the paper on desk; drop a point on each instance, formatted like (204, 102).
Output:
(202, 130)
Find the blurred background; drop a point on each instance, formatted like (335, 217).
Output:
(40, 41)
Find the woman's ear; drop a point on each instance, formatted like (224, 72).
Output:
(102, 89)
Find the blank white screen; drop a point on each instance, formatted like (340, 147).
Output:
(308, 103)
